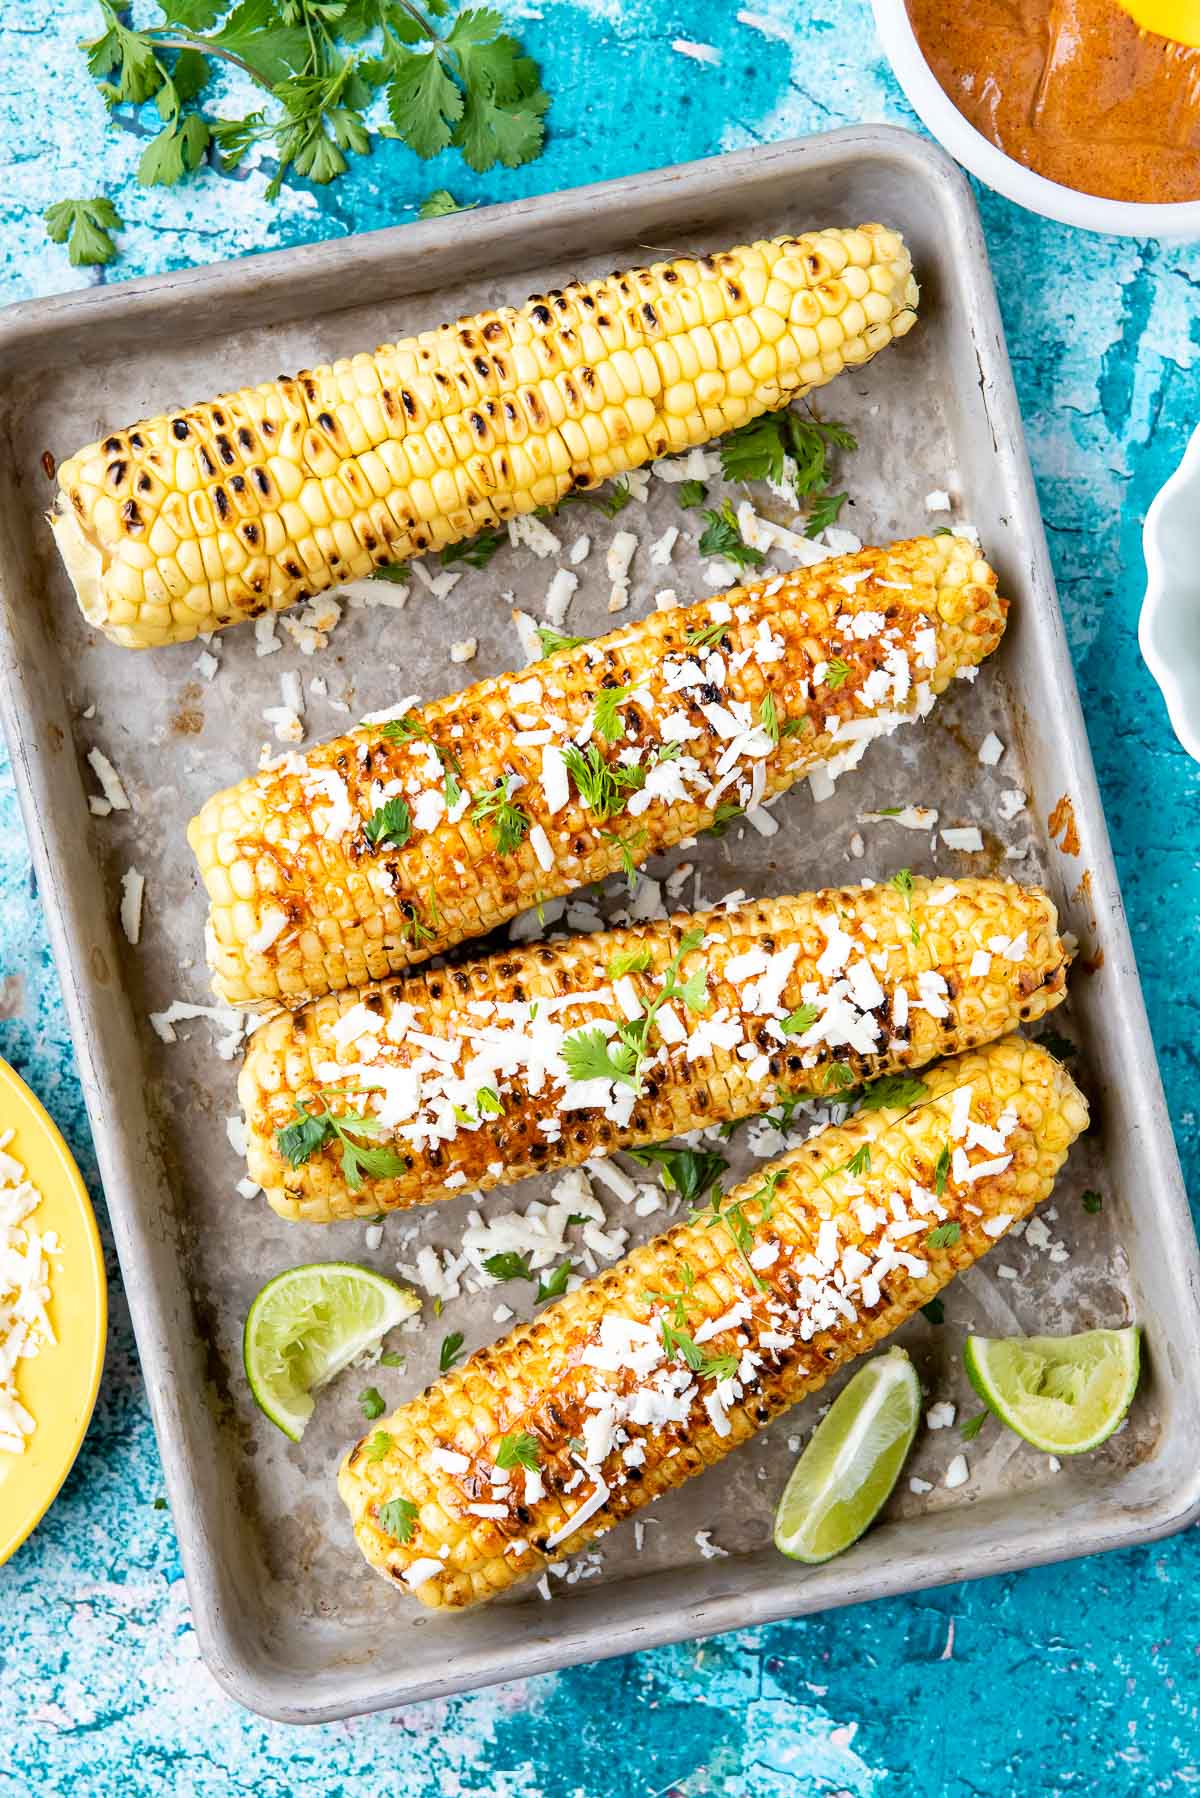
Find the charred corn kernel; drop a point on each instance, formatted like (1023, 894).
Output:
(811, 1261)
(623, 354)
(822, 659)
(918, 956)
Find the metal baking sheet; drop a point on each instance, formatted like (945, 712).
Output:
(289, 1618)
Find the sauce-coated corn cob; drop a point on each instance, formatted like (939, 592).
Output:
(202, 517)
(653, 1371)
(406, 837)
(465, 1075)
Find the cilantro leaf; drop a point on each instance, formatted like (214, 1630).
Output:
(441, 203)
(893, 1090)
(175, 152)
(689, 1172)
(935, 1311)
(800, 1020)
(84, 226)
(476, 552)
(606, 718)
(552, 641)
(510, 825)
(391, 824)
(823, 512)
(300, 1140)
(705, 635)
(424, 102)
(507, 1265)
(556, 1285)
(603, 786)
(971, 1428)
(837, 673)
(520, 1450)
(590, 1055)
(395, 572)
(371, 1400)
(451, 1350)
(399, 1518)
(722, 537)
(944, 1236)
(1092, 1202)
(942, 1170)
(377, 1445)
(629, 961)
(692, 495)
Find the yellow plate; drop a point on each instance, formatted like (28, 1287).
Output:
(59, 1385)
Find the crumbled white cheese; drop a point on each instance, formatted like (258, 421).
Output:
(968, 838)
(559, 595)
(1009, 804)
(941, 1416)
(132, 887)
(110, 781)
(958, 1473)
(919, 1486)
(531, 643)
(530, 533)
(206, 664)
(709, 1550)
(464, 650)
(579, 550)
(265, 640)
(991, 750)
(937, 501)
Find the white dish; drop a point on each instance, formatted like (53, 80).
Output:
(1169, 627)
(939, 114)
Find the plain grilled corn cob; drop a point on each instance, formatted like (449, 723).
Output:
(525, 787)
(206, 516)
(654, 1370)
(461, 1076)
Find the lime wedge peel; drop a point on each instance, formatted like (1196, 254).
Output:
(852, 1461)
(1063, 1394)
(309, 1323)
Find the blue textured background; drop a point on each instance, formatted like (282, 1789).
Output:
(1080, 1678)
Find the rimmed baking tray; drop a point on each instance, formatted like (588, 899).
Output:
(288, 1618)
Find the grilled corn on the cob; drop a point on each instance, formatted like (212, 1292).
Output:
(406, 837)
(202, 517)
(465, 1076)
(654, 1370)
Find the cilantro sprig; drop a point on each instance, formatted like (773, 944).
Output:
(619, 1059)
(518, 1450)
(452, 79)
(309, 1131)
(722, 536)
(689, 1172)
(510, 825)
(789, 445)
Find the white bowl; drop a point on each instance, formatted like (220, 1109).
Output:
(1169, 627)
(939, 114)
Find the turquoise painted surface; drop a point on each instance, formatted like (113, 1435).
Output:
(1081, 1678)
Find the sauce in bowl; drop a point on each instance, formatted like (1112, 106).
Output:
(1073, 89)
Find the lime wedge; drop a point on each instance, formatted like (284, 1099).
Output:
(309, 1323)
(1065, 1394)
(852, 1462)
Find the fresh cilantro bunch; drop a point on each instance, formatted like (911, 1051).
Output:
(790, 445)
(451, 79)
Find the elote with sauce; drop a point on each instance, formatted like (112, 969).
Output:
(216, 513)
(431, 824)
(540, 1057)
(660, 1366)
